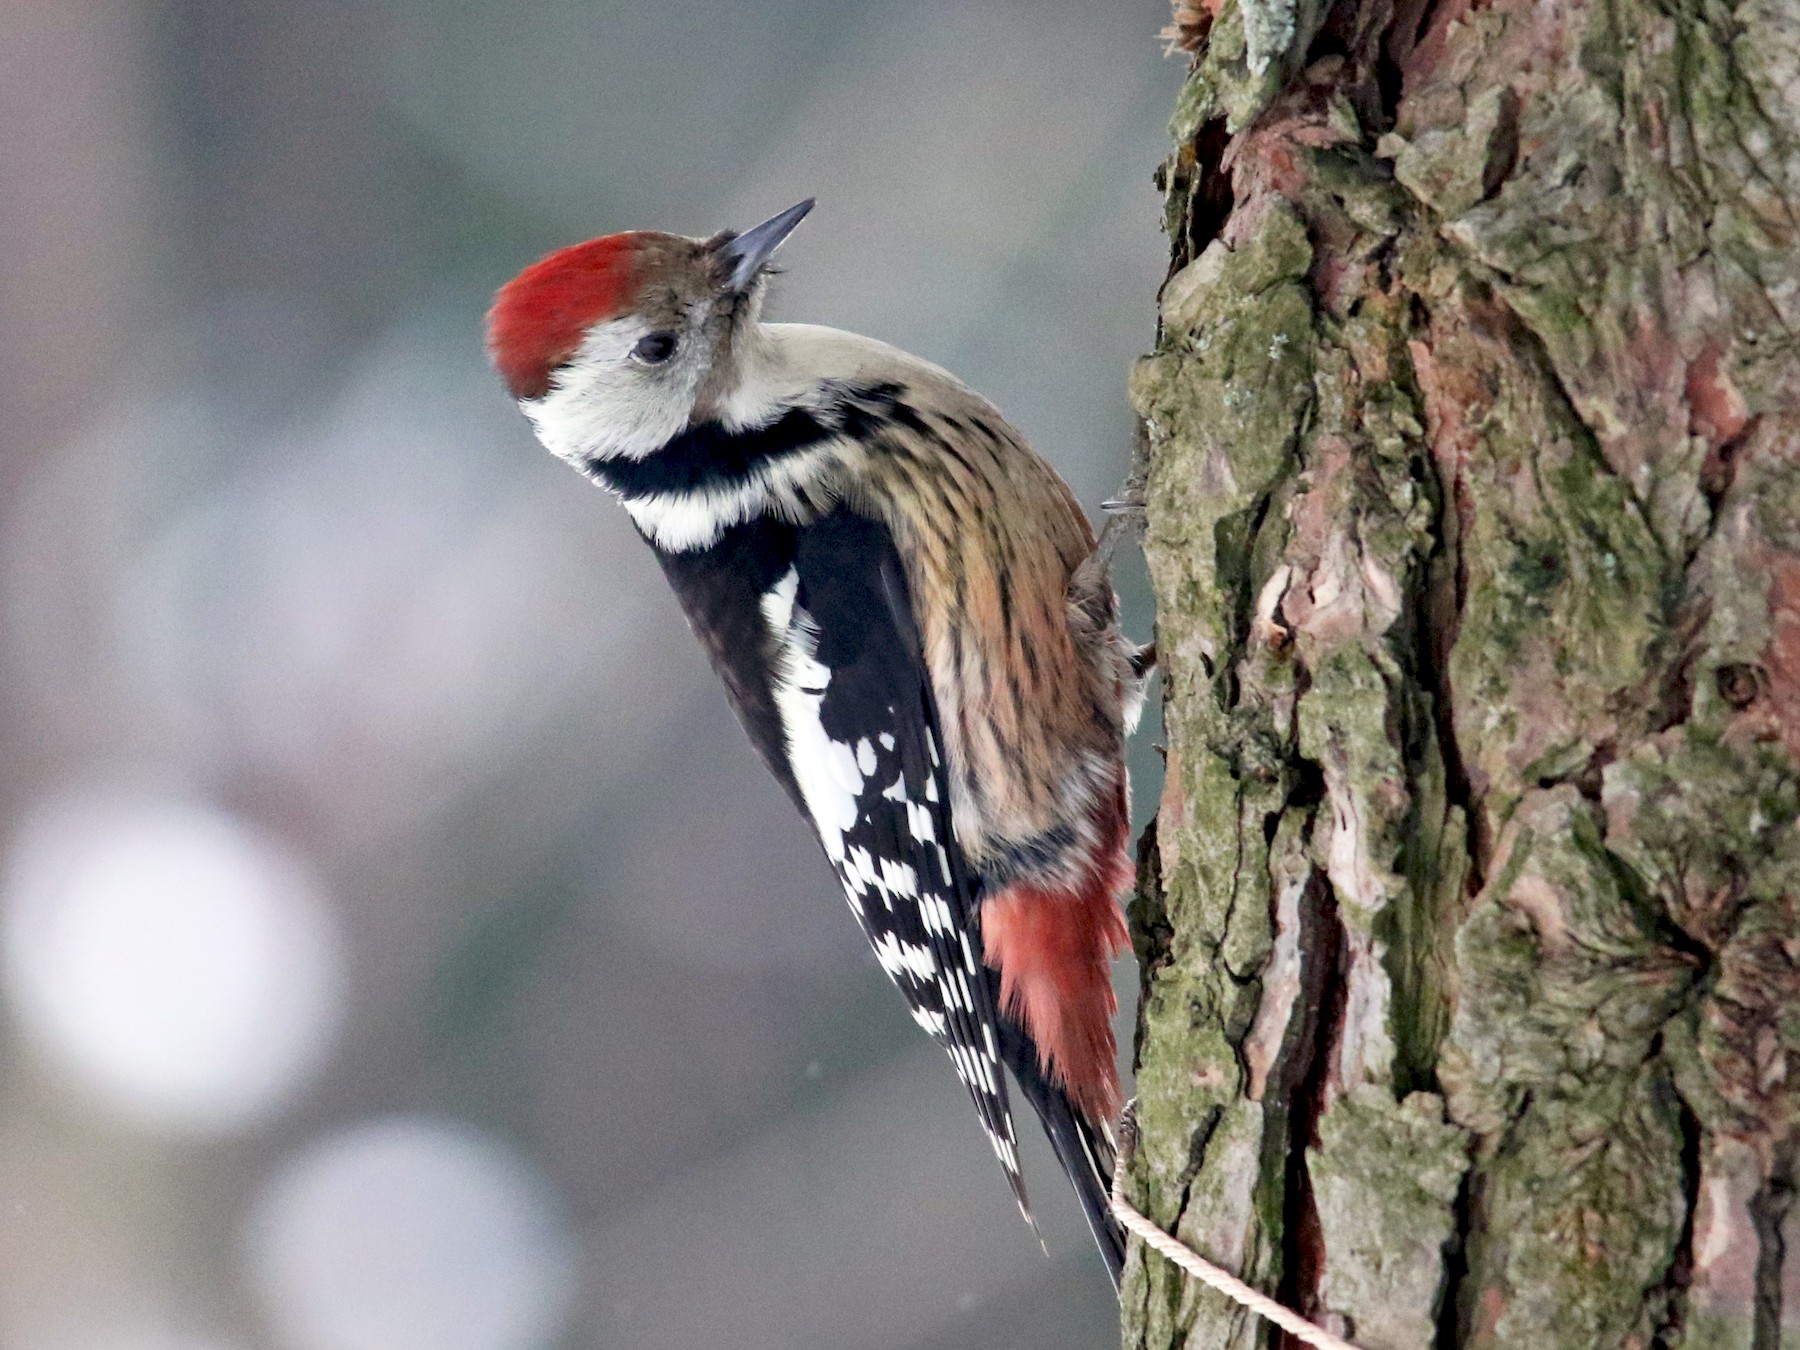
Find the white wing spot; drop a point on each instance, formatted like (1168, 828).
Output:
(989, 1075)
(1003, 1149)
(962, 989)
(852, 870)
(826, 771)
(934, 1022)
(956, 996)
(918, 819)
(965, 1065)
(935, 914)
(887, 740)
(859, 873)
(898, 957)
(778, 603)
(865, 757)
(899, 878)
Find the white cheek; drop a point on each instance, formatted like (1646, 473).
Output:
(606, 405)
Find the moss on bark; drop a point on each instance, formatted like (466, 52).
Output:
(1470, 943)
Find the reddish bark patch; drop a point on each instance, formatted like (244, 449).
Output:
(1718, 415)
(1433, 46)
(1457, 399)
(1716, 410)
(1171, 814)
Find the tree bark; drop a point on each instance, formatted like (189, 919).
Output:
(1468, 921)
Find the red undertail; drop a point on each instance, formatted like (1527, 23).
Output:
(1054, 950)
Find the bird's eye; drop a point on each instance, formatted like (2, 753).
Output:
(654, 348)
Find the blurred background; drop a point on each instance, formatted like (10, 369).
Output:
(400, 946)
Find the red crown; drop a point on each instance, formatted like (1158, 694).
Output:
(541, 315)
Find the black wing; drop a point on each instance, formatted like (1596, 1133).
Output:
(840, 706)
(862, 736)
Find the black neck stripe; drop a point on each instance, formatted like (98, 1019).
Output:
(705, 455)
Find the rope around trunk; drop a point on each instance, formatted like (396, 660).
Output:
(1197, 1265)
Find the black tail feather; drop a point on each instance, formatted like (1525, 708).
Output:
(1084, 1151)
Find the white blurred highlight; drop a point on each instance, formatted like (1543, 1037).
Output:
(407, 1233)
(152, 1338)
(179, 965)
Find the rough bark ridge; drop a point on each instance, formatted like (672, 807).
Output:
(1469, 919)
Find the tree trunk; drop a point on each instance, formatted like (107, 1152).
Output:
(1468, 922)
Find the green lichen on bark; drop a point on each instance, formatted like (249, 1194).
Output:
(1284, 769)
(1249, 56)
(1552, 1061)
(1386, 1176)
(1567, 979)
(1582, 1205)
(1472, 977)
(1236, 362)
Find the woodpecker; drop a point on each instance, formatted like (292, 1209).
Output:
(913, 623)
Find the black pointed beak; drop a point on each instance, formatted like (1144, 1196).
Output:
(743, 255)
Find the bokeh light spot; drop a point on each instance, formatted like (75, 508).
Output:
(176, 963)
(407, 1233)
